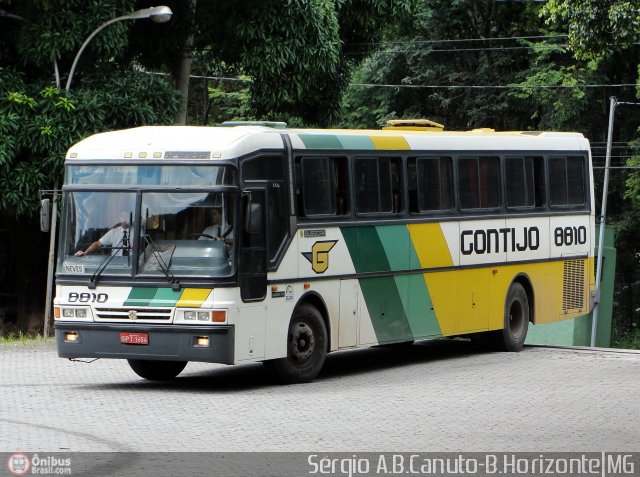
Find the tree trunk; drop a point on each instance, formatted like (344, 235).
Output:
(184, 69)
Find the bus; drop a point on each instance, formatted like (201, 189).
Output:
(258, 243)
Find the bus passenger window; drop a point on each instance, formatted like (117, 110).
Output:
(479, 182)
(567, 181)
(318, 188)
(322, 186)
(524, 181)
(378, 184)
(433, 183)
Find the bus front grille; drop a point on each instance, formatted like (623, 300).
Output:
(131, 314)
(573, 286)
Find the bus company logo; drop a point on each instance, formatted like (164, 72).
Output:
(133, 315)
(18, 464)
(319, 255)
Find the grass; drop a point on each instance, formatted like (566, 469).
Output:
(23, 338)
(626, 340)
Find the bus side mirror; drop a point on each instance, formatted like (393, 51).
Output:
(45, 215)
(253, 218)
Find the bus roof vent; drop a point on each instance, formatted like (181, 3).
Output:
(266, 124)
(414, 125)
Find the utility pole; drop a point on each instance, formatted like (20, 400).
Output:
(613, 102)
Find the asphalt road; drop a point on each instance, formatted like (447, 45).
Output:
(433, 396)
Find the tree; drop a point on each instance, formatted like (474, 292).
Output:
(294, 51)
(38, 123)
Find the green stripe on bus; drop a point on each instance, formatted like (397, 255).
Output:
(381, 294)
(140, 296)
(356, 142)
(320, 141)
(165, 297)
(412, 289)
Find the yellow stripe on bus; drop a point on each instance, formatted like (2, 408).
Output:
(193, 297)
(430, 245)
(390, 142)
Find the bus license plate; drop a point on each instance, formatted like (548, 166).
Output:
(134, 338)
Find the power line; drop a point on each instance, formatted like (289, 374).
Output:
(451, 50)
(419, 86)
(460, 40)
(560, 86)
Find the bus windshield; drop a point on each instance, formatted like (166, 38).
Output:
(172, 234)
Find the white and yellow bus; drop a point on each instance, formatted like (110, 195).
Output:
(253, 243)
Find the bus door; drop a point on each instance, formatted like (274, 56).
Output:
(252, 262)
(348, 328)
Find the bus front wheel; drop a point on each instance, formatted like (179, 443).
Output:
(156, 370)
(516, 320)
(306, 347)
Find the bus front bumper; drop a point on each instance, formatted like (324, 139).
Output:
(166, 342)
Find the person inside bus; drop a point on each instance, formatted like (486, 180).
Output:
(219, 229)
(118, 237)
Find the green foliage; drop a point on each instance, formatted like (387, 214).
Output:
(292, 50)
(40, 123)
(230, 102)
(596, 27)
(430, 54)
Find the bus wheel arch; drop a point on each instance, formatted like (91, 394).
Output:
(517, 315)
(524, 280)
(307, 338)
(314, 299)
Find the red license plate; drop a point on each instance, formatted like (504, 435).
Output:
(134, 338)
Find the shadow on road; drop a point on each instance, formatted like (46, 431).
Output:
(338, 365)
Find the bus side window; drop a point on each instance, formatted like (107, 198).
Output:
(322, 186)
(434, 186)
(378, 183)
(524, 181)
(479, 182)
(567, 181)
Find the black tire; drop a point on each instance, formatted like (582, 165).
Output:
(156, 370)
(306, 347)
(516, 320)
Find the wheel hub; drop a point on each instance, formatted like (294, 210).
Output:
(302, 342)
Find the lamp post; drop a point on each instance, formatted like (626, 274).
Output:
(161, 14)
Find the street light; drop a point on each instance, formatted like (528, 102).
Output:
(161, 14)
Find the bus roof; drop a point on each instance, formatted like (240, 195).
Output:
(203, 142)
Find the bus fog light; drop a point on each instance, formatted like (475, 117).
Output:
(189, 315)
(71, 337)
(81, 313)
(202, 341)
(67, 313)
(204, 316)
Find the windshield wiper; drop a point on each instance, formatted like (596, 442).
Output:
(175, 284)
(93, 281)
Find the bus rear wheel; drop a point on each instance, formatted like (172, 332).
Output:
(306, 347)
(516, 320)
(156, 370)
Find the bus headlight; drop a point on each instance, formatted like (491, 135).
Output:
(202, 316)
(75, 312)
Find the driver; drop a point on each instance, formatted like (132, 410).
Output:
(118, 237)
(218, 230)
